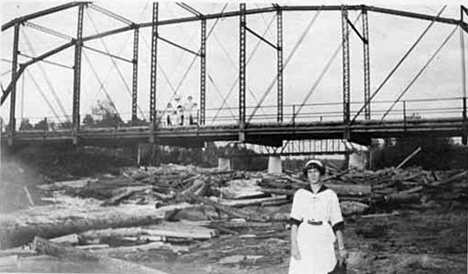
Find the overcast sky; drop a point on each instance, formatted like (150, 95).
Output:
(390, 38)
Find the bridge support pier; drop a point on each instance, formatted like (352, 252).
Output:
(274, 165)
(224, 164)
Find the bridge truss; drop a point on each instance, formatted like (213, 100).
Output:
(348, 28)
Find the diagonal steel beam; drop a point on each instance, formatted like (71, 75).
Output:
(111, 14)
(48, 31)
(45, 61)
(7, 91)
(40, 13)
(356, 31)
(178, 46)
(108, 54)
(261, 38)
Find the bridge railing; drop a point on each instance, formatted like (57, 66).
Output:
(429, 108)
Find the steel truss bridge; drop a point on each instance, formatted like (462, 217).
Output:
(353, 121)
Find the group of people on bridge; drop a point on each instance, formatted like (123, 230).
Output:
(178, 113)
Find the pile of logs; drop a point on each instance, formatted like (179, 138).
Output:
(171, 206)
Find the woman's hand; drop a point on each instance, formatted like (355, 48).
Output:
(342, 256)
(295, 252)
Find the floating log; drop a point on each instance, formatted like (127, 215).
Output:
(44, 246)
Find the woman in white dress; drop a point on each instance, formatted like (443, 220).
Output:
(316, 222)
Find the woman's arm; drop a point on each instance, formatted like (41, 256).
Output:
(294, 246)
(343, 254)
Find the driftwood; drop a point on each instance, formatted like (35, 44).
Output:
(70, 239)
(451, 179)
(44, 246)
(28, 195)
(54, 221)
(226, 209)
(350, 190)
(76, 184)
(159, 232)
(123, 193)
(403, 198)
(409, 157)
(350, 208)
(195, 188)
(251, 202)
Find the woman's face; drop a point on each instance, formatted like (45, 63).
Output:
(313, 175)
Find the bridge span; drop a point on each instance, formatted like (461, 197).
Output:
(270, 134)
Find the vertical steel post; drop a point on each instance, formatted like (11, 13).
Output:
(279, 45)
(154, 53)
(365, 31)
(135, 75)
(404, 114)
(242, 66)
(202, 112)
(14, 67)
(346, 73)
(77, 75)
(463, 71)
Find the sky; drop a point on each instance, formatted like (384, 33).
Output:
(390, 38)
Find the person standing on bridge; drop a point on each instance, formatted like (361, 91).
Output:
(180, 111)
(169, 114)
(190, 107)
(316, 222)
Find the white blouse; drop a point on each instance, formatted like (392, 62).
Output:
(321, 206)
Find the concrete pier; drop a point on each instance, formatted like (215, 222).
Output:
(274, 165)
(224, 164)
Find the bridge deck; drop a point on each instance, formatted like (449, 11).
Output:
(265, 133)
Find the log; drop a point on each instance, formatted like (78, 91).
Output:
(380, 215)
(351, 189)
(20, 227)
(92, 247)
(288, 192)
(44, 246)
(76, 184)
(350, 208)
(250, 202)
(226, 209)
(28, 195)
(162, 230)
(451, 179)
(402, 198)
(123, 193)
(71, 239)
(409, 157)
(194, 187)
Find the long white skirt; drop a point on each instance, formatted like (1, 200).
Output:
(316, 250)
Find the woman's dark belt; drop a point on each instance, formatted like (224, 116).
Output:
(312, 222)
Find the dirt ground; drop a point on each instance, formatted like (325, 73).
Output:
(432, 240)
